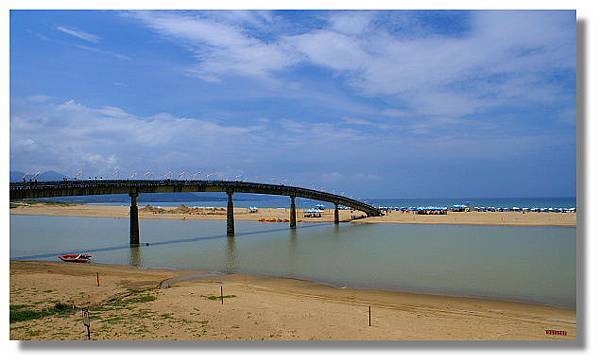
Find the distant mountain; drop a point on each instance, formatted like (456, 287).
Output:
(17, 176)
(51, 176)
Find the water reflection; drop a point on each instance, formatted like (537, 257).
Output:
(336, 232)
(231, 259)
(293, 246)
(293, 242)
(135, 256)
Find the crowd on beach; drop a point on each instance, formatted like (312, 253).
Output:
(437, 210)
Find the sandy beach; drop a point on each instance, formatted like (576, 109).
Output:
(282, 214)
(46, 300)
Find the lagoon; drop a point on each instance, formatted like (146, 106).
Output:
(529, 264)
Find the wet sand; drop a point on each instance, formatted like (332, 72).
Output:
(282, 215)
(129, 304)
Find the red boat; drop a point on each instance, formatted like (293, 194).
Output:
(75, 258)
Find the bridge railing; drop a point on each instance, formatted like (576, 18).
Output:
(238, 186)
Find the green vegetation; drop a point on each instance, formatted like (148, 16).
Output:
(126, 314)
(219, 297)
(20, 313)
(132, 296)
(18, 307)
(140, 299)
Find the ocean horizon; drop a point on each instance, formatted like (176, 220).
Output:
(247, 200)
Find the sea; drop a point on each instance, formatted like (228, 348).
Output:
(247, 200)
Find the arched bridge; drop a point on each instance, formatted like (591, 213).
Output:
(29, 190)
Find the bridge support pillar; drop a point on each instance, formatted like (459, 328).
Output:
(293, 212)
(336, 214)
(230, 224)
(134, 227)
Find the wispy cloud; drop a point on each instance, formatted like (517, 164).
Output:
(88, 37)
(67, 135)
(61, 135)
(499, 61)
(102, 51)
(221, 48)
(443, 74)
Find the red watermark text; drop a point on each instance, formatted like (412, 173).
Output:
(556, 332)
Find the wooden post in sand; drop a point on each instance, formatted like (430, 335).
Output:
(369, 315)
(222, 296)
(98, 279)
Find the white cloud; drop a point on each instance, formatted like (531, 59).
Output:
(88, 37)
(503, 58)
(330, 49)
(221, 49)
(69, 136)
(355, 121)
(119, 56)
(351, 22)
(65, 136)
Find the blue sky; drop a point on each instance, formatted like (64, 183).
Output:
(372, 104)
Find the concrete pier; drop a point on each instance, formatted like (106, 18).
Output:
(336, 214)
(293, 212)
(134, 225)
(230, 224)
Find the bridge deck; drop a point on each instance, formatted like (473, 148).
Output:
(28, 190)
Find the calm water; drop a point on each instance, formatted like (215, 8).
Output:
(278, 201)
(533, 264)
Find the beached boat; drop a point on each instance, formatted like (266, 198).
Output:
(75, 258)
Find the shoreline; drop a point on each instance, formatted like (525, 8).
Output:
(279, 301)
(268, 215)
(189, 275)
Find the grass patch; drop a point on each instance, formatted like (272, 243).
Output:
(140, 299)
(214, 298)
(124, 300)
(20, 313)
(18, 307)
